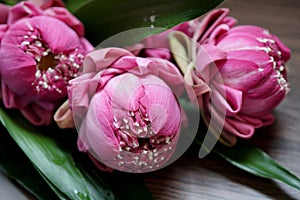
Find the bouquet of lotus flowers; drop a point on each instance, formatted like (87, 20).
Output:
(93, 101)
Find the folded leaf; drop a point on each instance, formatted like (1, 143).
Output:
(51, 159)
(253, 160)
(103, 19)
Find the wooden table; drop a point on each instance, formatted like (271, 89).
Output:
(212, 178)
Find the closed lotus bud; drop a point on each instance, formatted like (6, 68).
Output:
(41, 49)
(237, 73)
(129, 118)
(251, 62)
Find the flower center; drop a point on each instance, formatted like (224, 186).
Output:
(53, 70)
(46, 62)
(140, 147)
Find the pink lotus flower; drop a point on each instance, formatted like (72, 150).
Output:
(251, 62)
(249, 59)
(41, 49)
(129, 118)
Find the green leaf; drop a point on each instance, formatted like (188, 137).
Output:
(73, 5)
(10, 2)
(103, 19)
(59, 194)
(11, 158)
(253, 160)
(50, 158)
(95, 184)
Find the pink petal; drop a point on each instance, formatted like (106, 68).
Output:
(65, 16)
(160, 40)
(233, 125)
(250, 31)
(3, 29)
(121, 90)
(255, 122)
(22, 68)
(285, 51)
(102, 59)
(268, 87)
(167, 71)
(160, 104)
(4, 9)
(218, 33)
(22, 10)
(158, 53)
(85, 45)
(260, 106)
(79, 92)
(38, 114)
(156, 66)
(242, 74)
(10, 100)
(238, 128)
(233, 102)
(130, 62)
(161, 108)
(44, 4)
(239, 42)
(97, 130)
(260, 57)
(210, 22)
(68, 39)
(268, 119)
(207, 55)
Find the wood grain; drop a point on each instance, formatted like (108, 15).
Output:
(213, 178)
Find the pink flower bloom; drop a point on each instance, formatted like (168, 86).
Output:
(129, 118)
(41, 49)
(216, 21)
(251, 62)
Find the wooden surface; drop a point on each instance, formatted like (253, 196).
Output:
(212, 178)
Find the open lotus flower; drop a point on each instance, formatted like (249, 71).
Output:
(126, 113)
(41, 49)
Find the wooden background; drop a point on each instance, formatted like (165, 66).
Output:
(212, 178)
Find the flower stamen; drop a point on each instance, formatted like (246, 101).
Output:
(53, 71)
(139, 146)
(275, 58)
